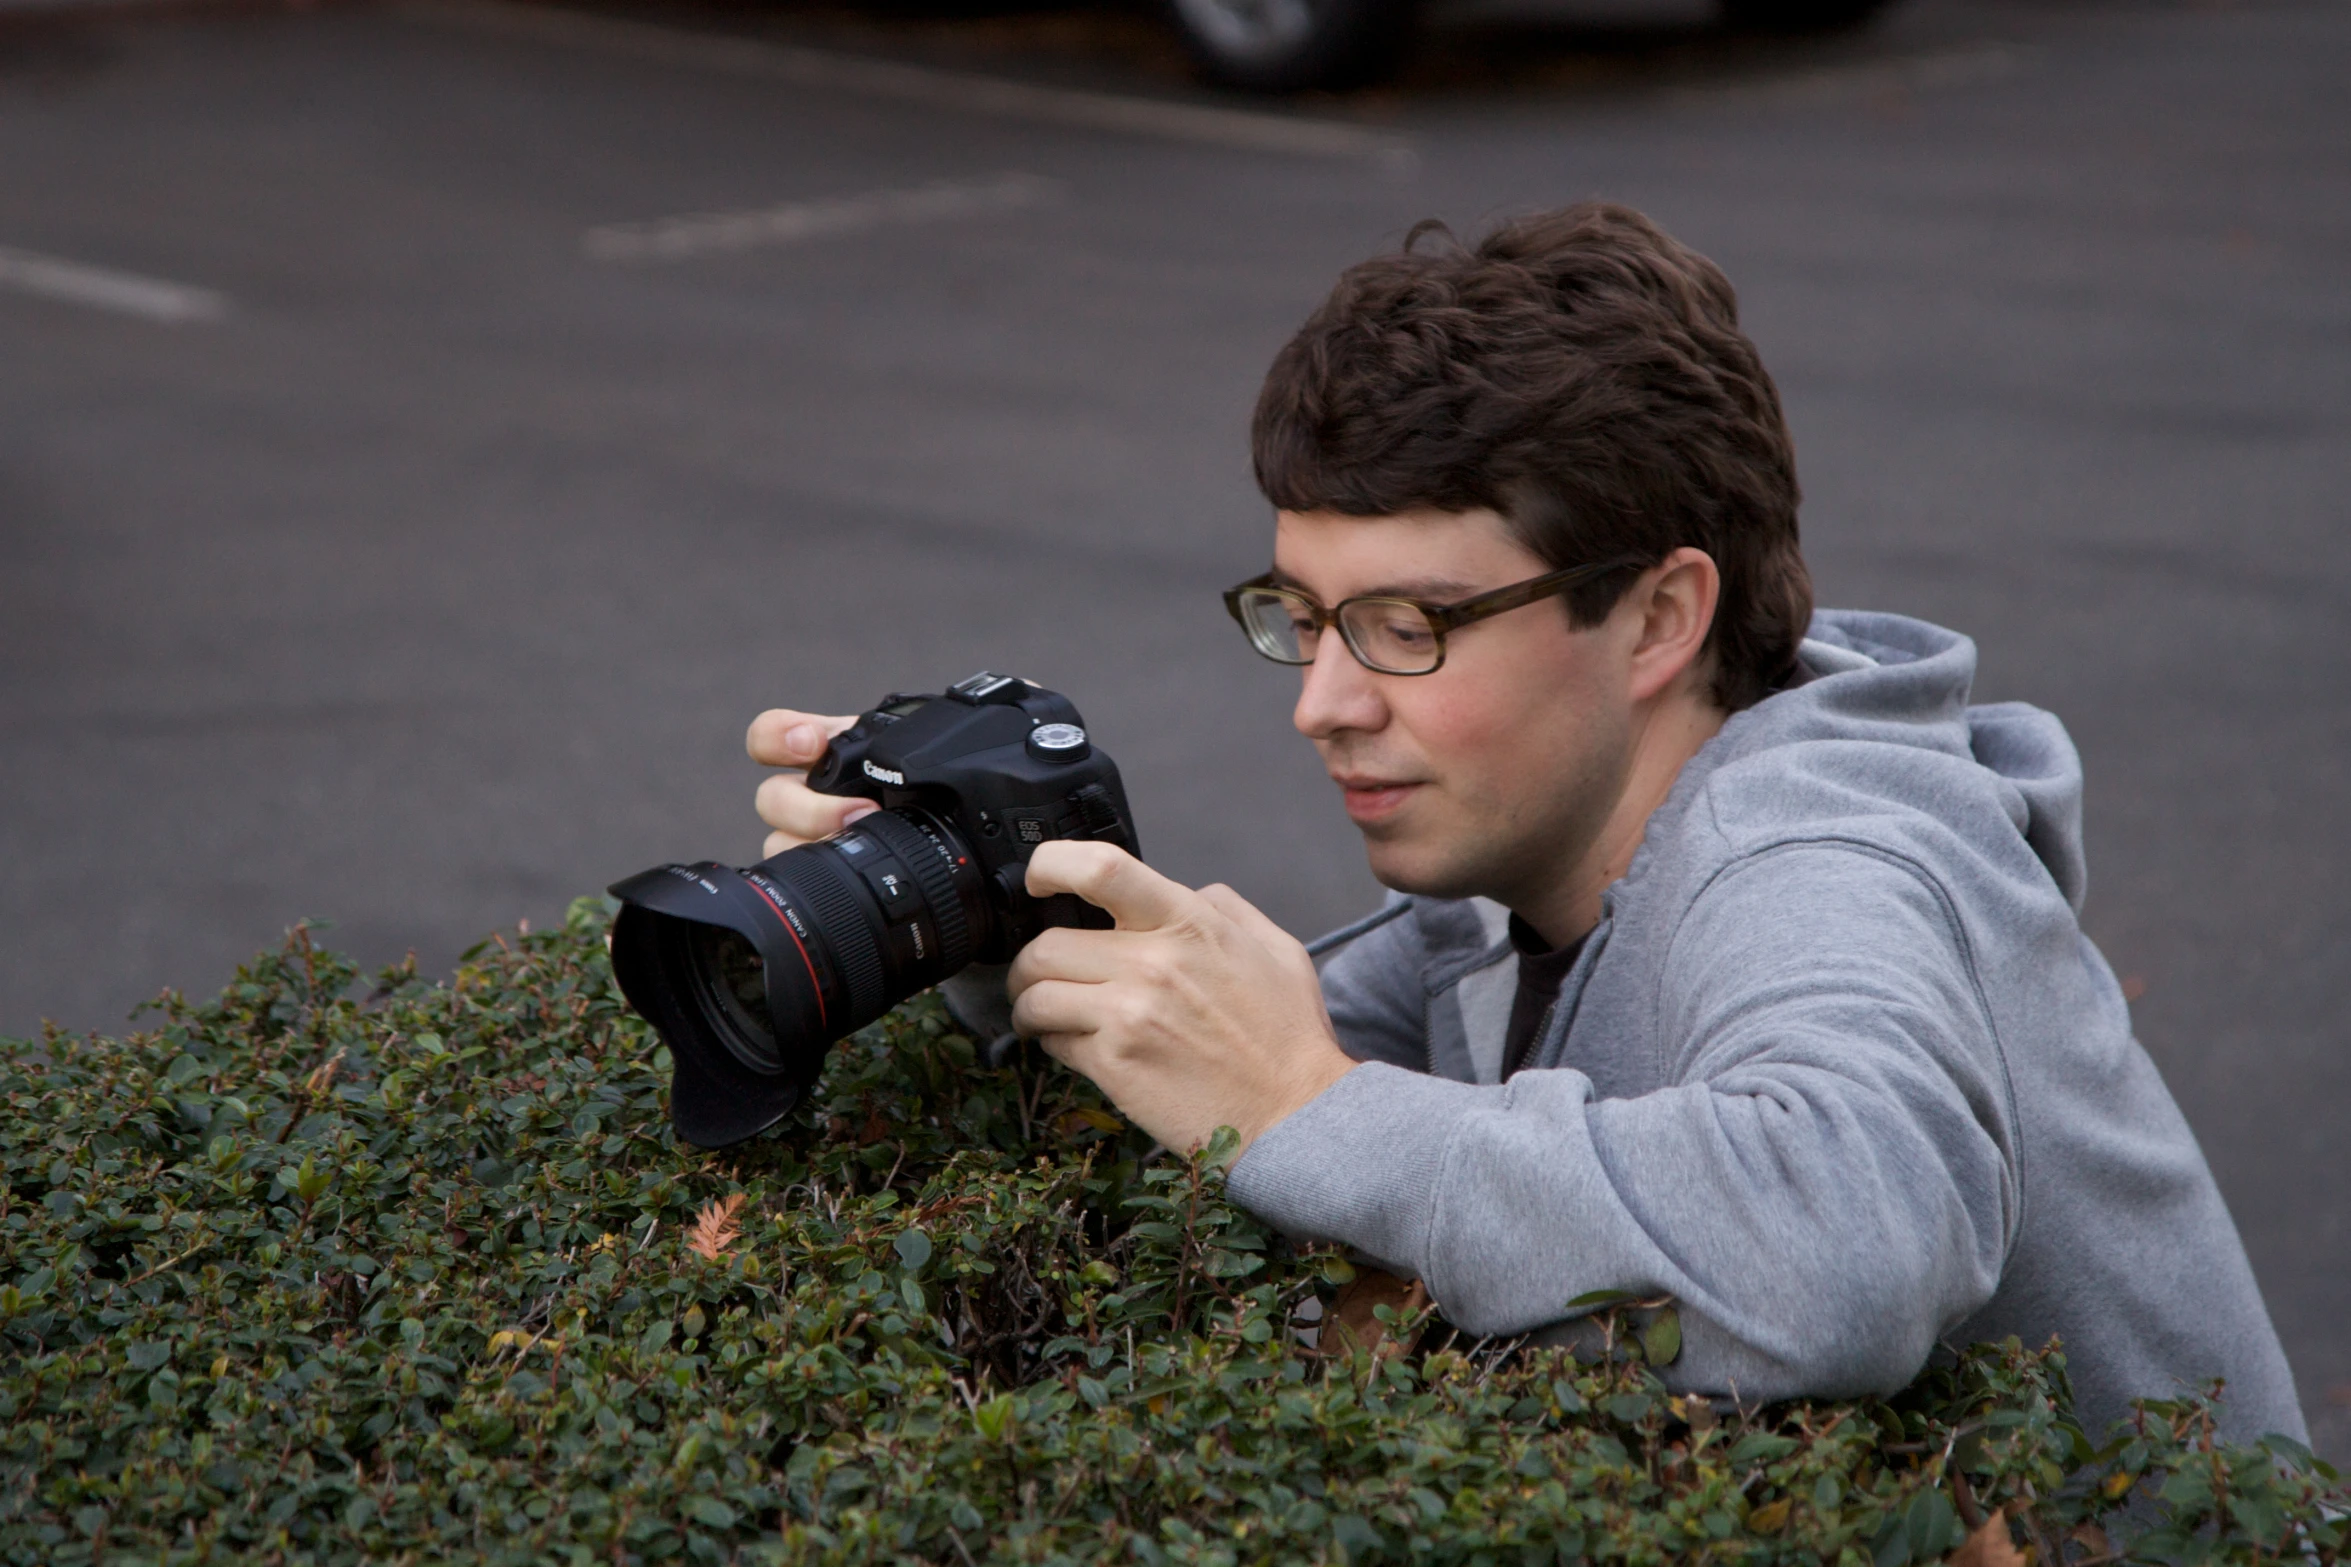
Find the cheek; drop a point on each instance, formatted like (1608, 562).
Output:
(1468, 738)
(1490, 744)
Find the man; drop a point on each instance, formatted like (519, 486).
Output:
(1727, 958)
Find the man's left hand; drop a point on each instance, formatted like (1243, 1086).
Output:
(1196, 1012)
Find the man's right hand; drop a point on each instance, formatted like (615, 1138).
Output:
(783, 738)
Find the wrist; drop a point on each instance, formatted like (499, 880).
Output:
(1317, 1070)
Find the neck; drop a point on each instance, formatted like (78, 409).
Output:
(1666, 734)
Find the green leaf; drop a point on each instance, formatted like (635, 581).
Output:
(311, 1182)
(708, 1511)
(1357, 1538)
(1630, 1408)
(1931, 1526)
(1661, 1340)
(1594, 1299)
(1760, 1447)
(913, 1248)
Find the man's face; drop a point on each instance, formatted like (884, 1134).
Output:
(1493, 776)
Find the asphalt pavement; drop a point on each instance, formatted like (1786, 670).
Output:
(429, 431)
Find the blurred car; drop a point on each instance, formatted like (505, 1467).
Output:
(1290, 45)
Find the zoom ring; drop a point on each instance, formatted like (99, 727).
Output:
(925, 857)
(848, 932)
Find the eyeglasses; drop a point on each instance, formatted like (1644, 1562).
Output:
(1389, 636)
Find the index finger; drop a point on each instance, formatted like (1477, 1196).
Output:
(1108, 877)
(784, 737)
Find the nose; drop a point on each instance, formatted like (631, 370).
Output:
(1336, 693)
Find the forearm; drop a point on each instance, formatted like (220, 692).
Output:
(1809, 1251)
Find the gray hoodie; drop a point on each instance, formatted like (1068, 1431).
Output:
(1837, 1069)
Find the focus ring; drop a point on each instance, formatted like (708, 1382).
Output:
(926, 860)
(847, 931)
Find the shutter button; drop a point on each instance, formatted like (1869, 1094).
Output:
(1058, 743)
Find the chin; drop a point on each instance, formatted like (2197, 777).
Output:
(1423, 875)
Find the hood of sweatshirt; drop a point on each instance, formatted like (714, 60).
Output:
(1880, 680)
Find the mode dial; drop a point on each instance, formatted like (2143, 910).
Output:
(1059, 743)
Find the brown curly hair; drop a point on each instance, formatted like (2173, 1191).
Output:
(1581, 373)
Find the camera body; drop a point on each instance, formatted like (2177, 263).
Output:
(1008, 766)
(751, 974)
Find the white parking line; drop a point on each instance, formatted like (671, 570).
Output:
(103, 288)
(1240, 129)
(712, 233)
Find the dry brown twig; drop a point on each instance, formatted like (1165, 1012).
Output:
(715, 1229)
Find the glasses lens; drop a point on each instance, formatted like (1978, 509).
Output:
(1390, 635)
(1279, 625)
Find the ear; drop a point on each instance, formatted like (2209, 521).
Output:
(1675, 600)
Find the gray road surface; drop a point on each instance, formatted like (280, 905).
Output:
(400, 515)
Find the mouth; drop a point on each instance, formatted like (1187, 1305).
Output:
(1373, 799)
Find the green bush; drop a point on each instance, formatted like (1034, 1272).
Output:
(320, 1273)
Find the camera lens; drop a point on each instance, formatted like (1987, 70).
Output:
(750, 975)
(732, 980)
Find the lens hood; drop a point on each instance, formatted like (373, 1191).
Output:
(717, 1096)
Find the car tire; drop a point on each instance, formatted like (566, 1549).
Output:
(1797, 16)
(1292, 45)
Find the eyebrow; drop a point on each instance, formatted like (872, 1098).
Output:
(1436, 590)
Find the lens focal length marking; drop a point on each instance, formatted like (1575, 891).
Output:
(926, 850)
(759, 885)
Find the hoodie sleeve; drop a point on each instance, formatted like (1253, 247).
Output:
(1372, 991)
(1828, 1183)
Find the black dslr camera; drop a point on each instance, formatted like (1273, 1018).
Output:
(750, 975)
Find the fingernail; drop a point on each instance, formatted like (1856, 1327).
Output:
(857, 813)
(801, 739)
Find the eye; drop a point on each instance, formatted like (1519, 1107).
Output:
(1392, 636)
(1398, 624)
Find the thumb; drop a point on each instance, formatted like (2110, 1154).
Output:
(785, 737)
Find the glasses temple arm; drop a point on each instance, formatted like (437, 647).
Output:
(1445, 617)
